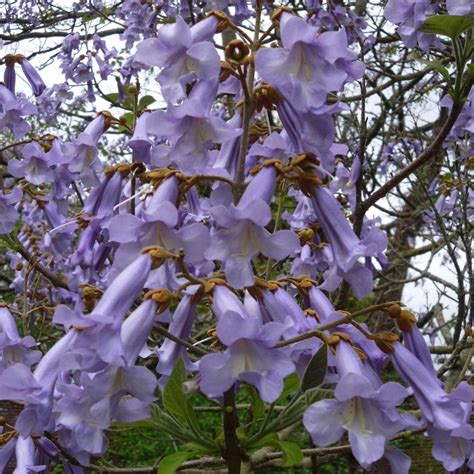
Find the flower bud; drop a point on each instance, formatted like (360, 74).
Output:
(237, 52)
(394, 311)
(406, 320)
(385, 341)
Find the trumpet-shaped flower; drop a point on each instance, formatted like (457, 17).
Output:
(310, 65)
(364, 407)
(242, 233)
(249, 357)
(185, 54)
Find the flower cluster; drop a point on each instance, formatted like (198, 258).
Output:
(188, 219)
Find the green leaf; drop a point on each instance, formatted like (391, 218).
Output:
(113, 97)
(169, 464)
(438, 66)
(315, 370)
(258, 406)
(201, 450)
(470, 69)
(447, 25)
(145, 101)
(267, 440)
(315, 395)
(291, 385)
(174, 399)
(292, 453)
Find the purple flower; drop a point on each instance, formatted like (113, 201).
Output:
(364, 407)
(26, 456)
(157, 226)
(12, 110)
(34, 166)
(83, 153)
(99, 340)
(181, 324)
(10, 74)
(243, 235)
(442, 410)
(8, 214)
(308, 66)
(454, 448)
(345, 245)
(6, 453)
(249, 357)
(410, 15)
(192, 130)
(13, 348)
(32, 76)
(310, 131)
(185, 53)
(140, 143)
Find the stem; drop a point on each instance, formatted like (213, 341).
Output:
(248, 109)
(34, 262)
(346, 319)
(231, 422)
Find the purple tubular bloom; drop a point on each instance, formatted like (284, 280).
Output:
(444, 411)
(6, 453)
(110, 197)
(261, 187)
(84, 252)
(83, 153)
(454, 448)
(181, 324)
(121, 293)
(363, 406)
(184, 53)
(34, 166)
(192, 129)
(249, 357)
(12, 110)
(157, 226)
(140, 143)
(33, 77)
(410, 15)
(26, 456)
(95, 197)
(49, 366)
(8, 213)
(243, 235)
(228, 156)
(309, 66)
(346, 246)
(310, 131)
(416, 344)
(13, 348)
(136, 328)
(225, 300)
(10, 75)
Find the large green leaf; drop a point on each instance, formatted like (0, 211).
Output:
(315, 370)
(447, 25)
(169, 464)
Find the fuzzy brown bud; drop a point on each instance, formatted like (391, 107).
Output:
(385, 340)
(237, 52)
